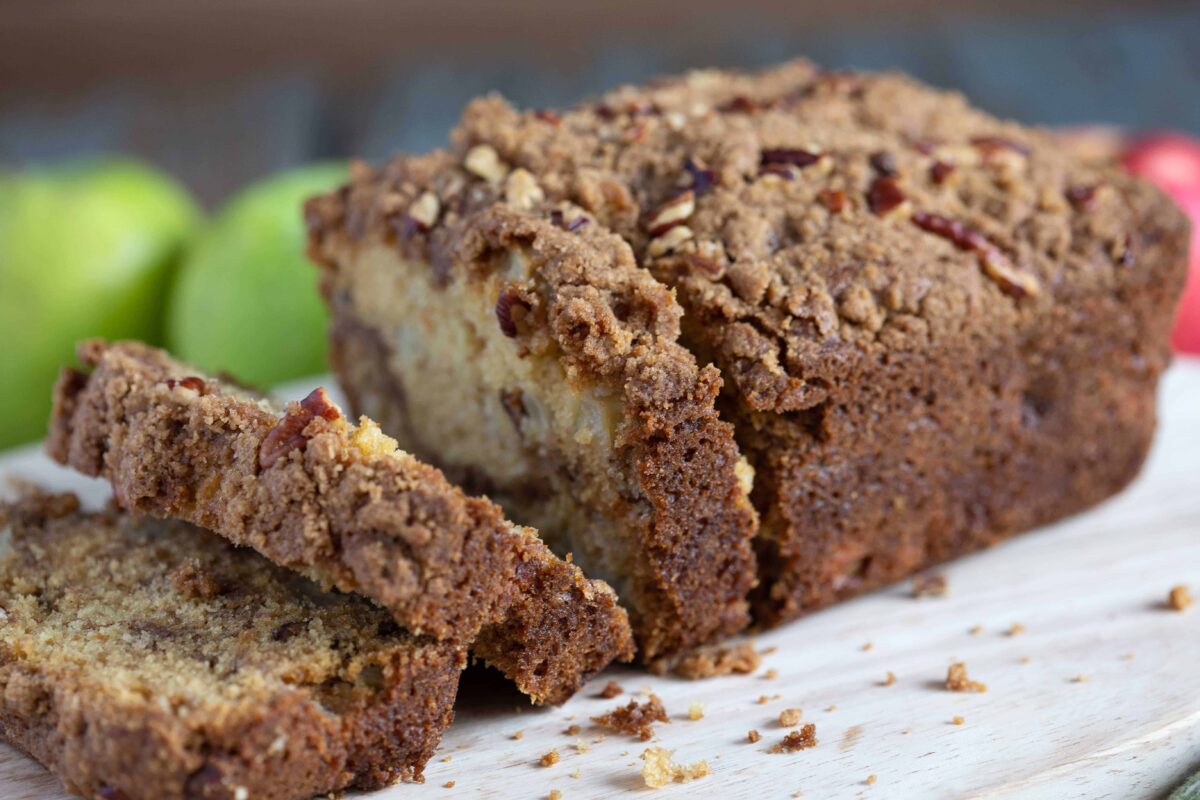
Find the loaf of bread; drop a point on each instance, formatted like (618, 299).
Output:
(933, 329)
(339, 503)
(148, 660)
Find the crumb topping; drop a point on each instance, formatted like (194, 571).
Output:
(636, 719)
(957, 679)
(793, 741)
(658, 770)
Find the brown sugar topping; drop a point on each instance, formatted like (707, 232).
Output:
(957, 679)
(635, 719)
(802, 739)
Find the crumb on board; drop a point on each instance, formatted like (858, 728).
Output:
(696, 711)
(771, 674)
(1128, 656)
(658, 770)
(975, 630)
(1015, 629)
(555, 794)
(802, 739)
(446, 759)
(1080, 678)
(581, 746)
(871, 779)
(610, 690)
(929, 586)
(448, 784)
(577, 774)
(710, 662)
(1179, 598)
(754, 737)
(958, 720)
(550, 759)
(831, 708)
(889, 679)
(867, 646)
(790, 717)
(635, 719)
(1025, 659)
(957, 679)
(766, 651)
(573, 730)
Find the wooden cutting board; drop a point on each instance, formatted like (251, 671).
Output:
(1098, 696)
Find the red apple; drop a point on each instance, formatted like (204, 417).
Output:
(1172, 161)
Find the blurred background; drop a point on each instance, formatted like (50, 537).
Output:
(218, 110)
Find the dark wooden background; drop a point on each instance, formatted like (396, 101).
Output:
(224, 91)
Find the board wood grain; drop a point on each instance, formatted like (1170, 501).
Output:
(1098, 696)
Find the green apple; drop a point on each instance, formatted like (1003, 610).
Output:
(245, 300)
(86, 249)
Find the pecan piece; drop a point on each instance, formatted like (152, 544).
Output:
(288, 434)
(794, 156)
(675, 211)
(192, 382)
(1014, 282)
(702, 179)
(939, 171)
(834, 200)
(509, 298)
(884, 196)
(884, 163)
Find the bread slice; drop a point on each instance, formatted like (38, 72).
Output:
(147, 659)
(340, 504)
(935, 329)
(574, 406)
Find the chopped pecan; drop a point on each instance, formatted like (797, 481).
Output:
(884, 163)
(192, 382)
(288, 434)
(702, 179)
(425, 210)
(548, 116)
(834, 200)
(939, 171)
(1014, 282)
(509, 299)
(1082, 197)
(990, 145)
(884, 196)
(675, 211)
(794, 156)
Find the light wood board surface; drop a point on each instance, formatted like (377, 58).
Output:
(1098, 697)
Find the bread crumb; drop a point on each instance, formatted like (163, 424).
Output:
(802, 739)
(871, 780)
(550, 759)
(1080, 678)
(635, 719)
(448, 784)
(576, 775)
(958, 720)
(696, 711)
(611, 690)
(1128, 656)
(1024, 659)
(890, 679)
(771, 674)
(958, 681)
(790, 717)
(831, 708)
(929, 586)
(867, 646)
(906, 731)
(709, 662)
(573, 730)
(518, 735)
(1179, 598)
(975, 630)
(555, 794)
(1015, 629)
(580, 746)
(659, 770)
(446, 759)
(754, 736)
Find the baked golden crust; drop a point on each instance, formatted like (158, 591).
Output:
(922, 314)
(338, 503)
(146, 659)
